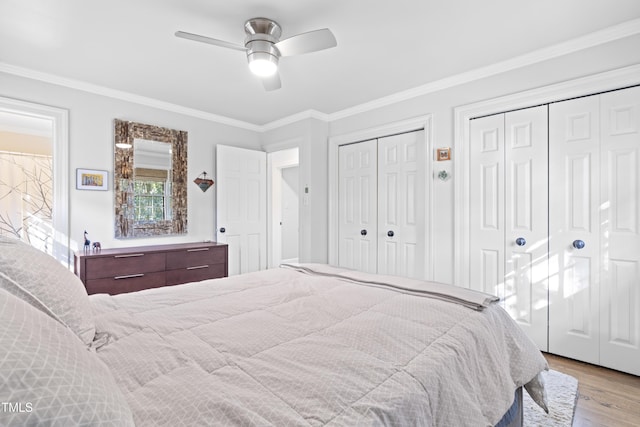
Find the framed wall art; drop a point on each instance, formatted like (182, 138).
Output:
(89, 179)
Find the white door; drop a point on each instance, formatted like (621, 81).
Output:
(357, 231)
(574, 228)
(487, 234)
(401, 194)
(241, 207)
(526, 230)
(508, 217)
(620, 230)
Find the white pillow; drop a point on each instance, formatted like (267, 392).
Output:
(43, 282)
(49, 377)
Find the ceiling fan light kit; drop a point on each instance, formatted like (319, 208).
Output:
(262, 57)
(264, 48)
(262, 64)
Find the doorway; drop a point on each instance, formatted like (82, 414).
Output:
(284, 200)
(34, 180)
(289, 223)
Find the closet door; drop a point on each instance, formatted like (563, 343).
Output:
(487, 234)
(620, 230)
(357, 169)
(526, 222)
(574, 228)
(508, 218)
(401, 194)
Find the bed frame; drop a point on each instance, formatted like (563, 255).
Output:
(514, 417)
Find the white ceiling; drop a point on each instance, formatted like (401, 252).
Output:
(383, 47)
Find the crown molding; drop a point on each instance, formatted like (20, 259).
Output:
(124, 96)
(616, 32)
(303, 115)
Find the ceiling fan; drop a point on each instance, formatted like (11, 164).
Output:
(264, 47)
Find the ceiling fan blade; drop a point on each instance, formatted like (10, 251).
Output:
(307, 42)
(272, 82)
(209, 40)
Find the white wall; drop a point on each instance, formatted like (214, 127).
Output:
(290, 212)
(91, 146)
(441, 104)
(91, 123)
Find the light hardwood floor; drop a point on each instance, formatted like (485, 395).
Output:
(606, 397)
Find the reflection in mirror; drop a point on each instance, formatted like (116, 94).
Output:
(150, 180)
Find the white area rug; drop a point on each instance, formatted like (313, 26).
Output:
(562, 394)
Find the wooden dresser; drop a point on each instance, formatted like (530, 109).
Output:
(114, 271)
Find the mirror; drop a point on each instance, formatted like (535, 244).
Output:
(150, 175)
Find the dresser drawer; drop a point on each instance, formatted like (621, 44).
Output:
(125, 264)
(196, 273)
(196, 257)
(126, 283)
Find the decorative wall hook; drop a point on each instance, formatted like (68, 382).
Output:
(202, 182)
(443, 175)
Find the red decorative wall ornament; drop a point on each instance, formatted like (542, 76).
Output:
(202, 182)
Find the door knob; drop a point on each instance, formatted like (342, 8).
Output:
(521, 241)
(578, 244)
(363, 232)
(222, 229)
(390, 233)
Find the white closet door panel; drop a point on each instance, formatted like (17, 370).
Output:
(620, 216)
(526, 230)
(401, 195)
(241, 207)
(574, 216)
(357, 234)
(487, 232)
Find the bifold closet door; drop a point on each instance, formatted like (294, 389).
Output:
(358, 222)
(487, 233)
(401, 201)
(382, 205)
(508, 217)
(595, 221)
(574, 228)
(620, 222)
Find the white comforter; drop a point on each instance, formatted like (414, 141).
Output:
(284, 347)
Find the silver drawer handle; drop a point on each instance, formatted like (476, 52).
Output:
(127, 256)
(130, 276)
(198, 267)
(197, 250)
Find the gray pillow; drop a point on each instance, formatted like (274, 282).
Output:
(43, 282)
(49, 377)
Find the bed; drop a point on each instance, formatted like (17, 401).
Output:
(298, 345)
